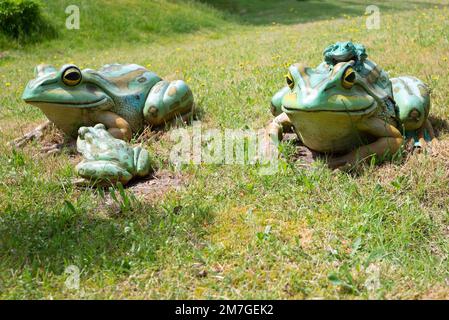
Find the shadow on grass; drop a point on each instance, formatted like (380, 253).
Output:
(127, 239)
(440, 125)
(261, 12)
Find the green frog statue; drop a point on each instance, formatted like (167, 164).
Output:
(124, 98)
(108, 160)
(349, 106)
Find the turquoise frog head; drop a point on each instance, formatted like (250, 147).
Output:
(327, 105)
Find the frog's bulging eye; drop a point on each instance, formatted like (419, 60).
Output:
(348, 79)
(290, 81)
(72, 76)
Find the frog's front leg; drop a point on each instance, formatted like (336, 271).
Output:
(277, 127)
(426, 128)
(388, 139)
(166, 100)
(142, 161)
(117, 126)
(273, 134)
(102, 171)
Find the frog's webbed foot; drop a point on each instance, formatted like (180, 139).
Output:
(47, 149)
(425, 137)
(166, 101)
(35, 134)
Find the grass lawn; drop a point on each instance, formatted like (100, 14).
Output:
(221, 231)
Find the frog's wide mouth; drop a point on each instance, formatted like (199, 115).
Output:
(363, 110)
(88, 104)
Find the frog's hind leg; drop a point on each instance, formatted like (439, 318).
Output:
(389, 139)
(167, 100)
(101, 173)
(117, 126)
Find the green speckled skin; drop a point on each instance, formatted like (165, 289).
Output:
(132, 96)
(109, 160)
(345, 51)
(411, 94)
(326, 111)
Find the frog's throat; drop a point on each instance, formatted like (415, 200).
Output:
(372, 107)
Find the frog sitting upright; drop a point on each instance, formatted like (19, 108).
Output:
(349, 106)
(122, 97)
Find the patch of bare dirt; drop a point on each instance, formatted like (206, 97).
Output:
(302, 154)
(149, 190)
(50, 138)
(437, 292)
(155, 186)
(149, 135)
(53, 135)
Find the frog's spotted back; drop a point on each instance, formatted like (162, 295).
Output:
(130, 77)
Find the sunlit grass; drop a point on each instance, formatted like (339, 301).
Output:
(229, 232)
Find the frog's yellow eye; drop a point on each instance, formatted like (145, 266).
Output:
(348, 79)
(290, 81)
(71, 76)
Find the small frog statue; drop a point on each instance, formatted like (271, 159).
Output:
(122, 97)
(108, 160)
(349, 106)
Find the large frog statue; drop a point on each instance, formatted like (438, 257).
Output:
(349, 106)
(108, 160)
(122, 97)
